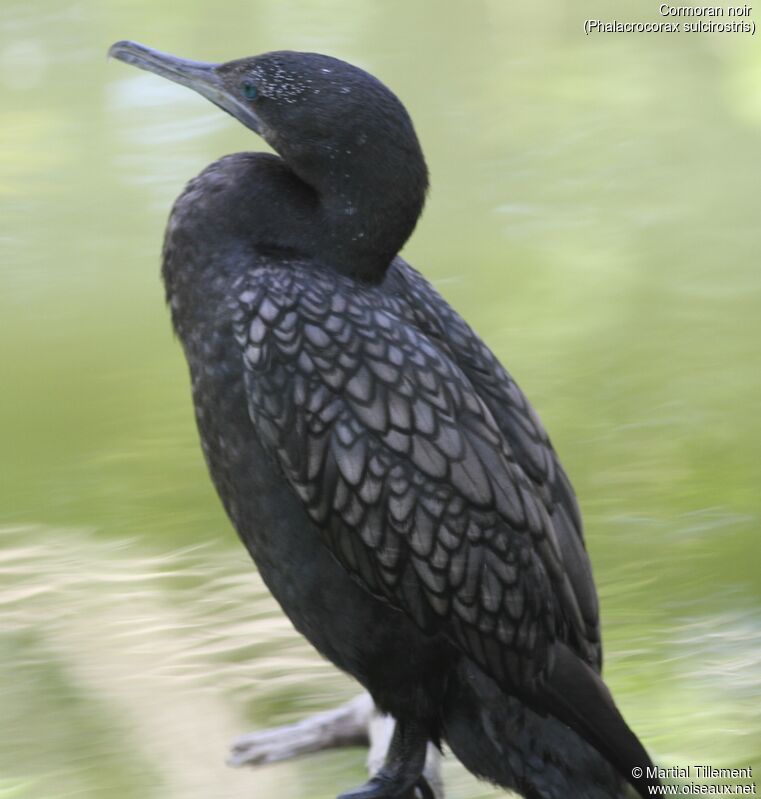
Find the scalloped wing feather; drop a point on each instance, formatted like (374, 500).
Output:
(403, 467)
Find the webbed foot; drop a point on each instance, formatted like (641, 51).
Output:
(378, 788)
(401, 776)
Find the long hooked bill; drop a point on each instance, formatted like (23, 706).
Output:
(197, 75)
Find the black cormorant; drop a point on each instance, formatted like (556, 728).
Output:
(395, 488)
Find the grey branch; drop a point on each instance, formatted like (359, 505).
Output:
(357, 723)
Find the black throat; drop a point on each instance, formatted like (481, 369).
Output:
(364, 220)
(366, 199)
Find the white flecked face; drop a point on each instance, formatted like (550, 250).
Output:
(285, 77)
(289, 79)
(279, 83)
(315, 111)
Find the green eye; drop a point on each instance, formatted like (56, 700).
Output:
(249, 90)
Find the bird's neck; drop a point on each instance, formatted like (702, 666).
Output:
(251, 206)
(369, 198)
(362, 226)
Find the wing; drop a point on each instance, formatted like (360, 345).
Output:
(402, 466)
(530, 444)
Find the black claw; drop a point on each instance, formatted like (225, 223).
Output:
(423, 790)
(374, 789)
(379, 788)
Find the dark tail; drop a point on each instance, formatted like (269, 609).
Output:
(576, 694)
(498, 737)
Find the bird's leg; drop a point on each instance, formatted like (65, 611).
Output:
(402, 771)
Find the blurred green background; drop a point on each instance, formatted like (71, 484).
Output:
(594, 213)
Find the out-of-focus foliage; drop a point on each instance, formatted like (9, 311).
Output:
(594, 213)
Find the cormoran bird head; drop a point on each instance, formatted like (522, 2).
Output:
(339, 129)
